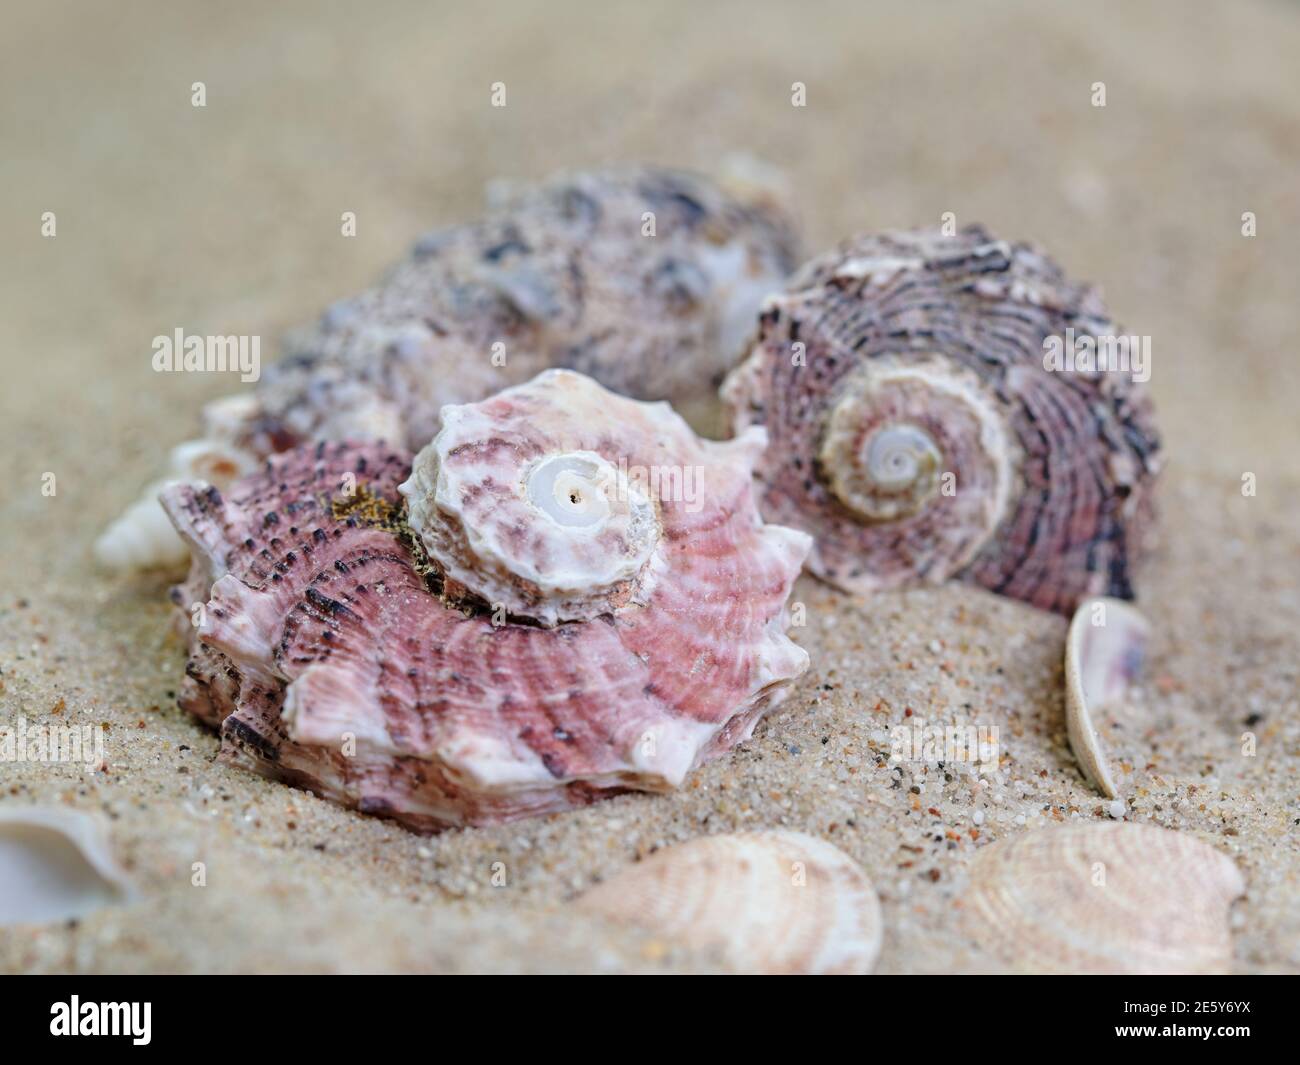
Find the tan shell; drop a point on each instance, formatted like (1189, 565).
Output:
(766, 902)
(1103, 898)
(55, 864)
(1104, 651)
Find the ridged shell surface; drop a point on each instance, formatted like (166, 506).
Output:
(1103, 898)
(336, 652)
(764, 902)
(920, 431)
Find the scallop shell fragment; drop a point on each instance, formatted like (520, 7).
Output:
(765, 902)
(1103, 898)
(507, 651)
(56, 864)
(646, 279)
(920, 433)
(1104, 652)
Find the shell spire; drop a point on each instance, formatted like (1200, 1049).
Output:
(531, 635)
(919, 431)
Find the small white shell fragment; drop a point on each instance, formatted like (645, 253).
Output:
(1104, 898)
(1104, 651)
(55, 864)
(142, 537)
(771, 902)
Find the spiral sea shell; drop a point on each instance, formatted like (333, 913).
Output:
(918, 433)
(649, 280)
(764, 902)
(1103, 898)
(551, 626)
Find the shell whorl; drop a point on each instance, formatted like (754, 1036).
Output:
(514, 501)
(917, 433)
(896, 443)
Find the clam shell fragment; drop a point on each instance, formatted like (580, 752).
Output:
(506, 651)
(1104, 653)
(646, 279)
(919, 432)
(56, 864)
(766, 902)
(1103, 898)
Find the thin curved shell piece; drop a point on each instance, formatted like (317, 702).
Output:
(56, 864)
(766, 902)
(921, 431)
(1101, 899)
(338, 653)
(1104, 652)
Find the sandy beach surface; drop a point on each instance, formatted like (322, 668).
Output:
(225, 219)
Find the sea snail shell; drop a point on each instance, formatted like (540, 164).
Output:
(543, 628)
(918, 434)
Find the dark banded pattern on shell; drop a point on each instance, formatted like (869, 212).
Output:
(336, 654)
(917, 433)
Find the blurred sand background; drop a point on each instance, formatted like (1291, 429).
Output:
(226, 220)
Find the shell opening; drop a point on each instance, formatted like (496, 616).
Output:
(572, 490)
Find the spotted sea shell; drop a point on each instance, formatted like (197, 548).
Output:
(763, 902)
(647, 279)
(552, 624)
(920, 429)
(1103, 898)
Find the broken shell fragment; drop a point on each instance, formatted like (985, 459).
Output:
(56, 864)
(143, 537)
(648, 280)
(766, 902)
(1104, 653)
(552, 625)
(1103, 898)
(920, 433)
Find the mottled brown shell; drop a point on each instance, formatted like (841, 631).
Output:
(918, 433)
(645, 279)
